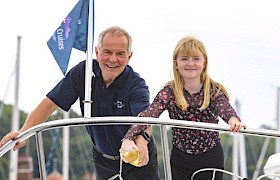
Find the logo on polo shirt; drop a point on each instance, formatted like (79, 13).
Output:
(119, 104)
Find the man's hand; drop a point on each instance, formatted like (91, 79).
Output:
(12, 136)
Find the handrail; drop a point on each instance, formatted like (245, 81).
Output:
(214, 173)
(269, 176)
(132, 120)
(163, 123)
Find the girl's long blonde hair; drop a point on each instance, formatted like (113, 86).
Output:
(189, 45)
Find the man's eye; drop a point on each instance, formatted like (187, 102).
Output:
(121, 54)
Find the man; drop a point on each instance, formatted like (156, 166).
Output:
(116, 91)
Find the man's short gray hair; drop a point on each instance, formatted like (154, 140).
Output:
(115, 30)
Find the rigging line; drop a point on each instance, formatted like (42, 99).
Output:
(82, 147)
(54, 137)
(57, 153)
(227, 144)
(54, 151)
(72, 172)
(59, 157)
(261, 157)
(252, 144)
(5, 93)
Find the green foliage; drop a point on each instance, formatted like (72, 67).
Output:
(5, 127)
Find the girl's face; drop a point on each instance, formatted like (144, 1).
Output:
(190, 66)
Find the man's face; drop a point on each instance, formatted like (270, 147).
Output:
(113, 56)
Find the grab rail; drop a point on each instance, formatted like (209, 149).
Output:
(270, 176)
(214, 173)
(163, 123)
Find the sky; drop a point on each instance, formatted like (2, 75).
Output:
(241, 37)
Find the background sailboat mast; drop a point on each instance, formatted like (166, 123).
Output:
(238, 151)
(241, 145)
(277, 143)
(15, 117)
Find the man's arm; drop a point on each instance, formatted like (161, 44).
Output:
(39, 115)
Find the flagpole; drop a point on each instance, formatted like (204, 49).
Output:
(89, 72)
(66, 133)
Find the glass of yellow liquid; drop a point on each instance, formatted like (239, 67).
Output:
(130, 155)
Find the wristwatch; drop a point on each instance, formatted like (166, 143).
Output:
(145, 136)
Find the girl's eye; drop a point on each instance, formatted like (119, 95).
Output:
(196, 58)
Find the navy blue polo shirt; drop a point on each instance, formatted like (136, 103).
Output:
(128, 95)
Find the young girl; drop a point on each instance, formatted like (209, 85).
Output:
(192, 96)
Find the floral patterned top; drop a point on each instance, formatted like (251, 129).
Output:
(191, 141)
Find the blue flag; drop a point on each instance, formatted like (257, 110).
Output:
(72, 33)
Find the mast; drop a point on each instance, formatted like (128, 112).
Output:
(277, 141)
(242, 149)
(239, 152)
(15, 117)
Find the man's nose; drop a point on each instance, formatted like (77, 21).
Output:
(113, 58)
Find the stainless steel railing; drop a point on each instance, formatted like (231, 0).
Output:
(270, 176)
(215, 170)
(163, 123)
